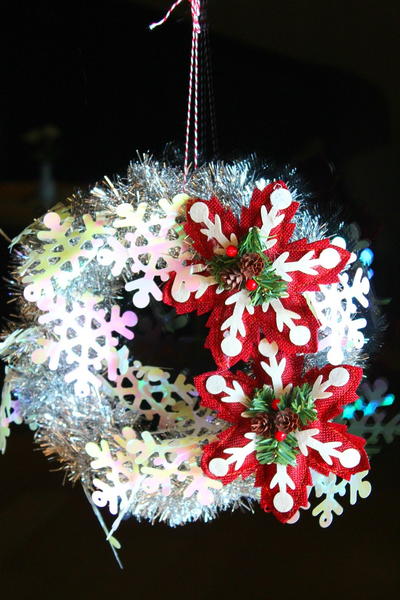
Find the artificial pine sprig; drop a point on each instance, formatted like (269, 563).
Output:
(268, 284)
(269, 450)
(300, 402)
(261, 401)
(252, 243)
(221, 264)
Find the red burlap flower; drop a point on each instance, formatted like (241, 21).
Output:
(235, 323)
(322, 445)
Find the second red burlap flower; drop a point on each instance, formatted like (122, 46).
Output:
(281, 427)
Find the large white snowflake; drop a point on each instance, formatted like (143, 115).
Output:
(148, 249)
(82, 336)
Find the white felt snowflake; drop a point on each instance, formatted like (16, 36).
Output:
(320, 444)
(336, 307)
(82, 336)
(240, 313)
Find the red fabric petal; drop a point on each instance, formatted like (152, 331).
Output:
(334, 432)
(298, 304)
(300, 475)
(249, 342)
(260, 324)
(201, 305)
(229, 411)
(201, 244)
(331, 407)
(232, 437)
(251, 216)
(302, 282)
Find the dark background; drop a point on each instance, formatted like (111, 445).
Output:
(85, 85)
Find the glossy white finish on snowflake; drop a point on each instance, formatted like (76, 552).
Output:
(86, 335)
(149, 239)
(336, 309)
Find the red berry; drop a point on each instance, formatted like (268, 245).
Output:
(280, 436)
(251, 285)
(275, 403)
(231, 251)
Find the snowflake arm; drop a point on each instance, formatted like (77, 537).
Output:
(284, 488)
(332, 388)
(210, 226)
(239, 444)
(330, 487)
(234, 325)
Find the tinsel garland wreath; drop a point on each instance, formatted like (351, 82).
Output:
(287, 294)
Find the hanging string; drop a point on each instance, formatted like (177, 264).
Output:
(207, 100)
(193, 94)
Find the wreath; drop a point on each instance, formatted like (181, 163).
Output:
(283, 289)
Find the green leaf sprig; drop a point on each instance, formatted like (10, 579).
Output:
(269, 284)
(300, 401)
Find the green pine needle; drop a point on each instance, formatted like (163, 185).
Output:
(269, 450)
(302, 403)
(270, 285)
(261, 401)
(219, 265)
(251, 243)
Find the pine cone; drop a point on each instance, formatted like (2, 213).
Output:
(251, 265)
(286, 420)
(231, 279)
(263, 424)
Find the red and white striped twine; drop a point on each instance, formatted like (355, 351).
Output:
(193, 95)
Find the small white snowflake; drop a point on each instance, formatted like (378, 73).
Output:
(368, 417)
(9, 410)
(336, 309)
(330, 486)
